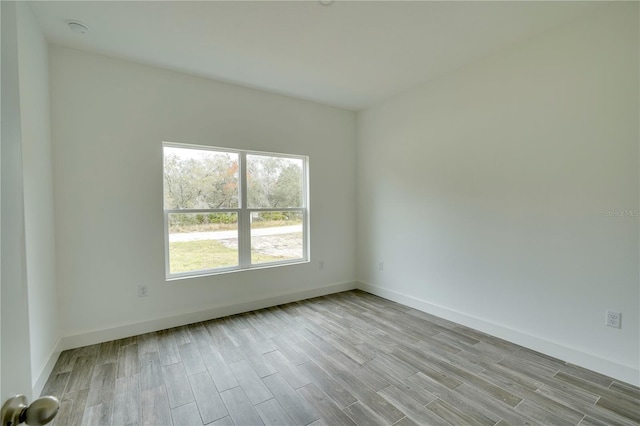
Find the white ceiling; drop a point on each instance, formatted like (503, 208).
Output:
(349, 54)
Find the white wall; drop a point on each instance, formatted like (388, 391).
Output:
(33, 63)
(109, 118)
(485, 193)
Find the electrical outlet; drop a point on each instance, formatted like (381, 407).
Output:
(321, 265)
(381, 266)
(614, 319)
(143, 291)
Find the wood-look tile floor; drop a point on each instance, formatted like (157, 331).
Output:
(349, 358)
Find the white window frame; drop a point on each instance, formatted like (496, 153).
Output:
(244, 215)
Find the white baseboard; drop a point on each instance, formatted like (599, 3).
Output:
(628, 374)
(120, 332)
(41, 380)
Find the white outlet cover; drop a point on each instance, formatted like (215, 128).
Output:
(143, 291)
(613, 319)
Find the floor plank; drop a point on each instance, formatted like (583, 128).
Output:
(363, 416)
(150, 370)
(186, 415)
(219, 370)
(253, 387)
(81, 374)
(209, 403)
(294, 405)
(412, 408)
(103, 384)
(330, 412)
(336, 392)
(272, 413)
(240, 409)
(287, 370)
(154, 406)
(126, 402)
(178, 387)
(72, 408)
(97, 415)
(191, 358)
(128, 362)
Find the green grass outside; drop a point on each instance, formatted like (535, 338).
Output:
(209, 227)
(186, 256)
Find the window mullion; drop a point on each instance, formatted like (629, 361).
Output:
(244, 228)
(167, 260)
(305, 212)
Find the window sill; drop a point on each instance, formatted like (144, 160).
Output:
(213, 272)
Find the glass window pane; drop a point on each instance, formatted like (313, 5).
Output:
(200, 241)
(274, 182)
(200, 179)
(276, 236)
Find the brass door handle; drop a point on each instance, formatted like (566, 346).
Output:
(40, 412)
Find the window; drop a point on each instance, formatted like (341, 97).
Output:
(228, 210)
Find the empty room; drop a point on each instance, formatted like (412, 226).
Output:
(320, 213)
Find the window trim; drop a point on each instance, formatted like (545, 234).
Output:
(244, 215)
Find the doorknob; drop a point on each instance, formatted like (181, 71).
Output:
(40, 412)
